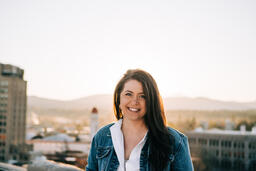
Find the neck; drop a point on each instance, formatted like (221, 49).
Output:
(129, 126)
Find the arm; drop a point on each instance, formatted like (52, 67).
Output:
(92, 161)
(182, 160)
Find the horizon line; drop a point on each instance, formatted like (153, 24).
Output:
(163, 97)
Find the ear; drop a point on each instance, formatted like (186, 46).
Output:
(121, 114)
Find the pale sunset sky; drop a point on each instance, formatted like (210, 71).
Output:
(75, 48)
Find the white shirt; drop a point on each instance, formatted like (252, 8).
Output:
(133, 164)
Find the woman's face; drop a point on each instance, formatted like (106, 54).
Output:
(132, 101)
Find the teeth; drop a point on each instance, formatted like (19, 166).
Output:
(133, 109)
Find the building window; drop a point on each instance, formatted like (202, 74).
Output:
(214, 142)
(252, 156)
(252, 145)
(239, 155)
(226, 144)
(4, 83)
(3, 90)
(202, 141)
(226, 154)
(238, 144)
(192, 140)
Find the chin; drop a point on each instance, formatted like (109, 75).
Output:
(134, 118)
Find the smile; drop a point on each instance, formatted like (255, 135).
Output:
(133, 109)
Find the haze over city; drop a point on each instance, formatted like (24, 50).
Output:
(72, 49)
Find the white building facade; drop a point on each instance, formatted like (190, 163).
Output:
(225, 149)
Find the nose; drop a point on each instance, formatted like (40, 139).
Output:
(135, 100)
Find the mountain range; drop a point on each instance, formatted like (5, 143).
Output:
(105, 101)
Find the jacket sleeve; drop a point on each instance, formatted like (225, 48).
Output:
(182, 158)
(92, 161)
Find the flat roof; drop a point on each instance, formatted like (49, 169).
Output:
(223, 132)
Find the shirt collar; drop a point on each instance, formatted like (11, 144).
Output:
(118, 140)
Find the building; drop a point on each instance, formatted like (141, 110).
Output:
(42, 164)
(94, 122)
(5, 166)
(13, 106)
(224, 149)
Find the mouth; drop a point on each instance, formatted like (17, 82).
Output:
(133, 109)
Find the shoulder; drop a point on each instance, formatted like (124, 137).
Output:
(104, 130)
(181, 154)
(103, 136)
(177, 134)
(180, 139)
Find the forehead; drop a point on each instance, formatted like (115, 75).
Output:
(134, 86)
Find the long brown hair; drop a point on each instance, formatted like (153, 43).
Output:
(160, 141)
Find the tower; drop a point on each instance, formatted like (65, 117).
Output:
(13, 107)
(94, 121)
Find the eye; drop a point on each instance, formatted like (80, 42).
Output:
(128, 94)
(142, 96)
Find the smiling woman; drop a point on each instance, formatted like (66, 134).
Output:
(140, 139)
(132, 101)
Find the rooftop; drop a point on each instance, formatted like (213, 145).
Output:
(223, 132)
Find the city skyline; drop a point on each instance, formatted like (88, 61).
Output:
(74, 49)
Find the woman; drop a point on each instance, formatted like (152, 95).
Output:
(140, 139)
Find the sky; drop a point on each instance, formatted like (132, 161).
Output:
(71, 49)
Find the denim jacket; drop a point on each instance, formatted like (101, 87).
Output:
(103, 157)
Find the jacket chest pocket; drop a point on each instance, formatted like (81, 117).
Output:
(103, 157)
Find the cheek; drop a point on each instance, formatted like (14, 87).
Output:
(122, 104)
(143, 103)
(144, 106)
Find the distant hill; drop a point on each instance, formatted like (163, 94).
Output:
(99, 101)
(200, 103)
(104, 102)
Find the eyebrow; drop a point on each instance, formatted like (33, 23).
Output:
(132, 92)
